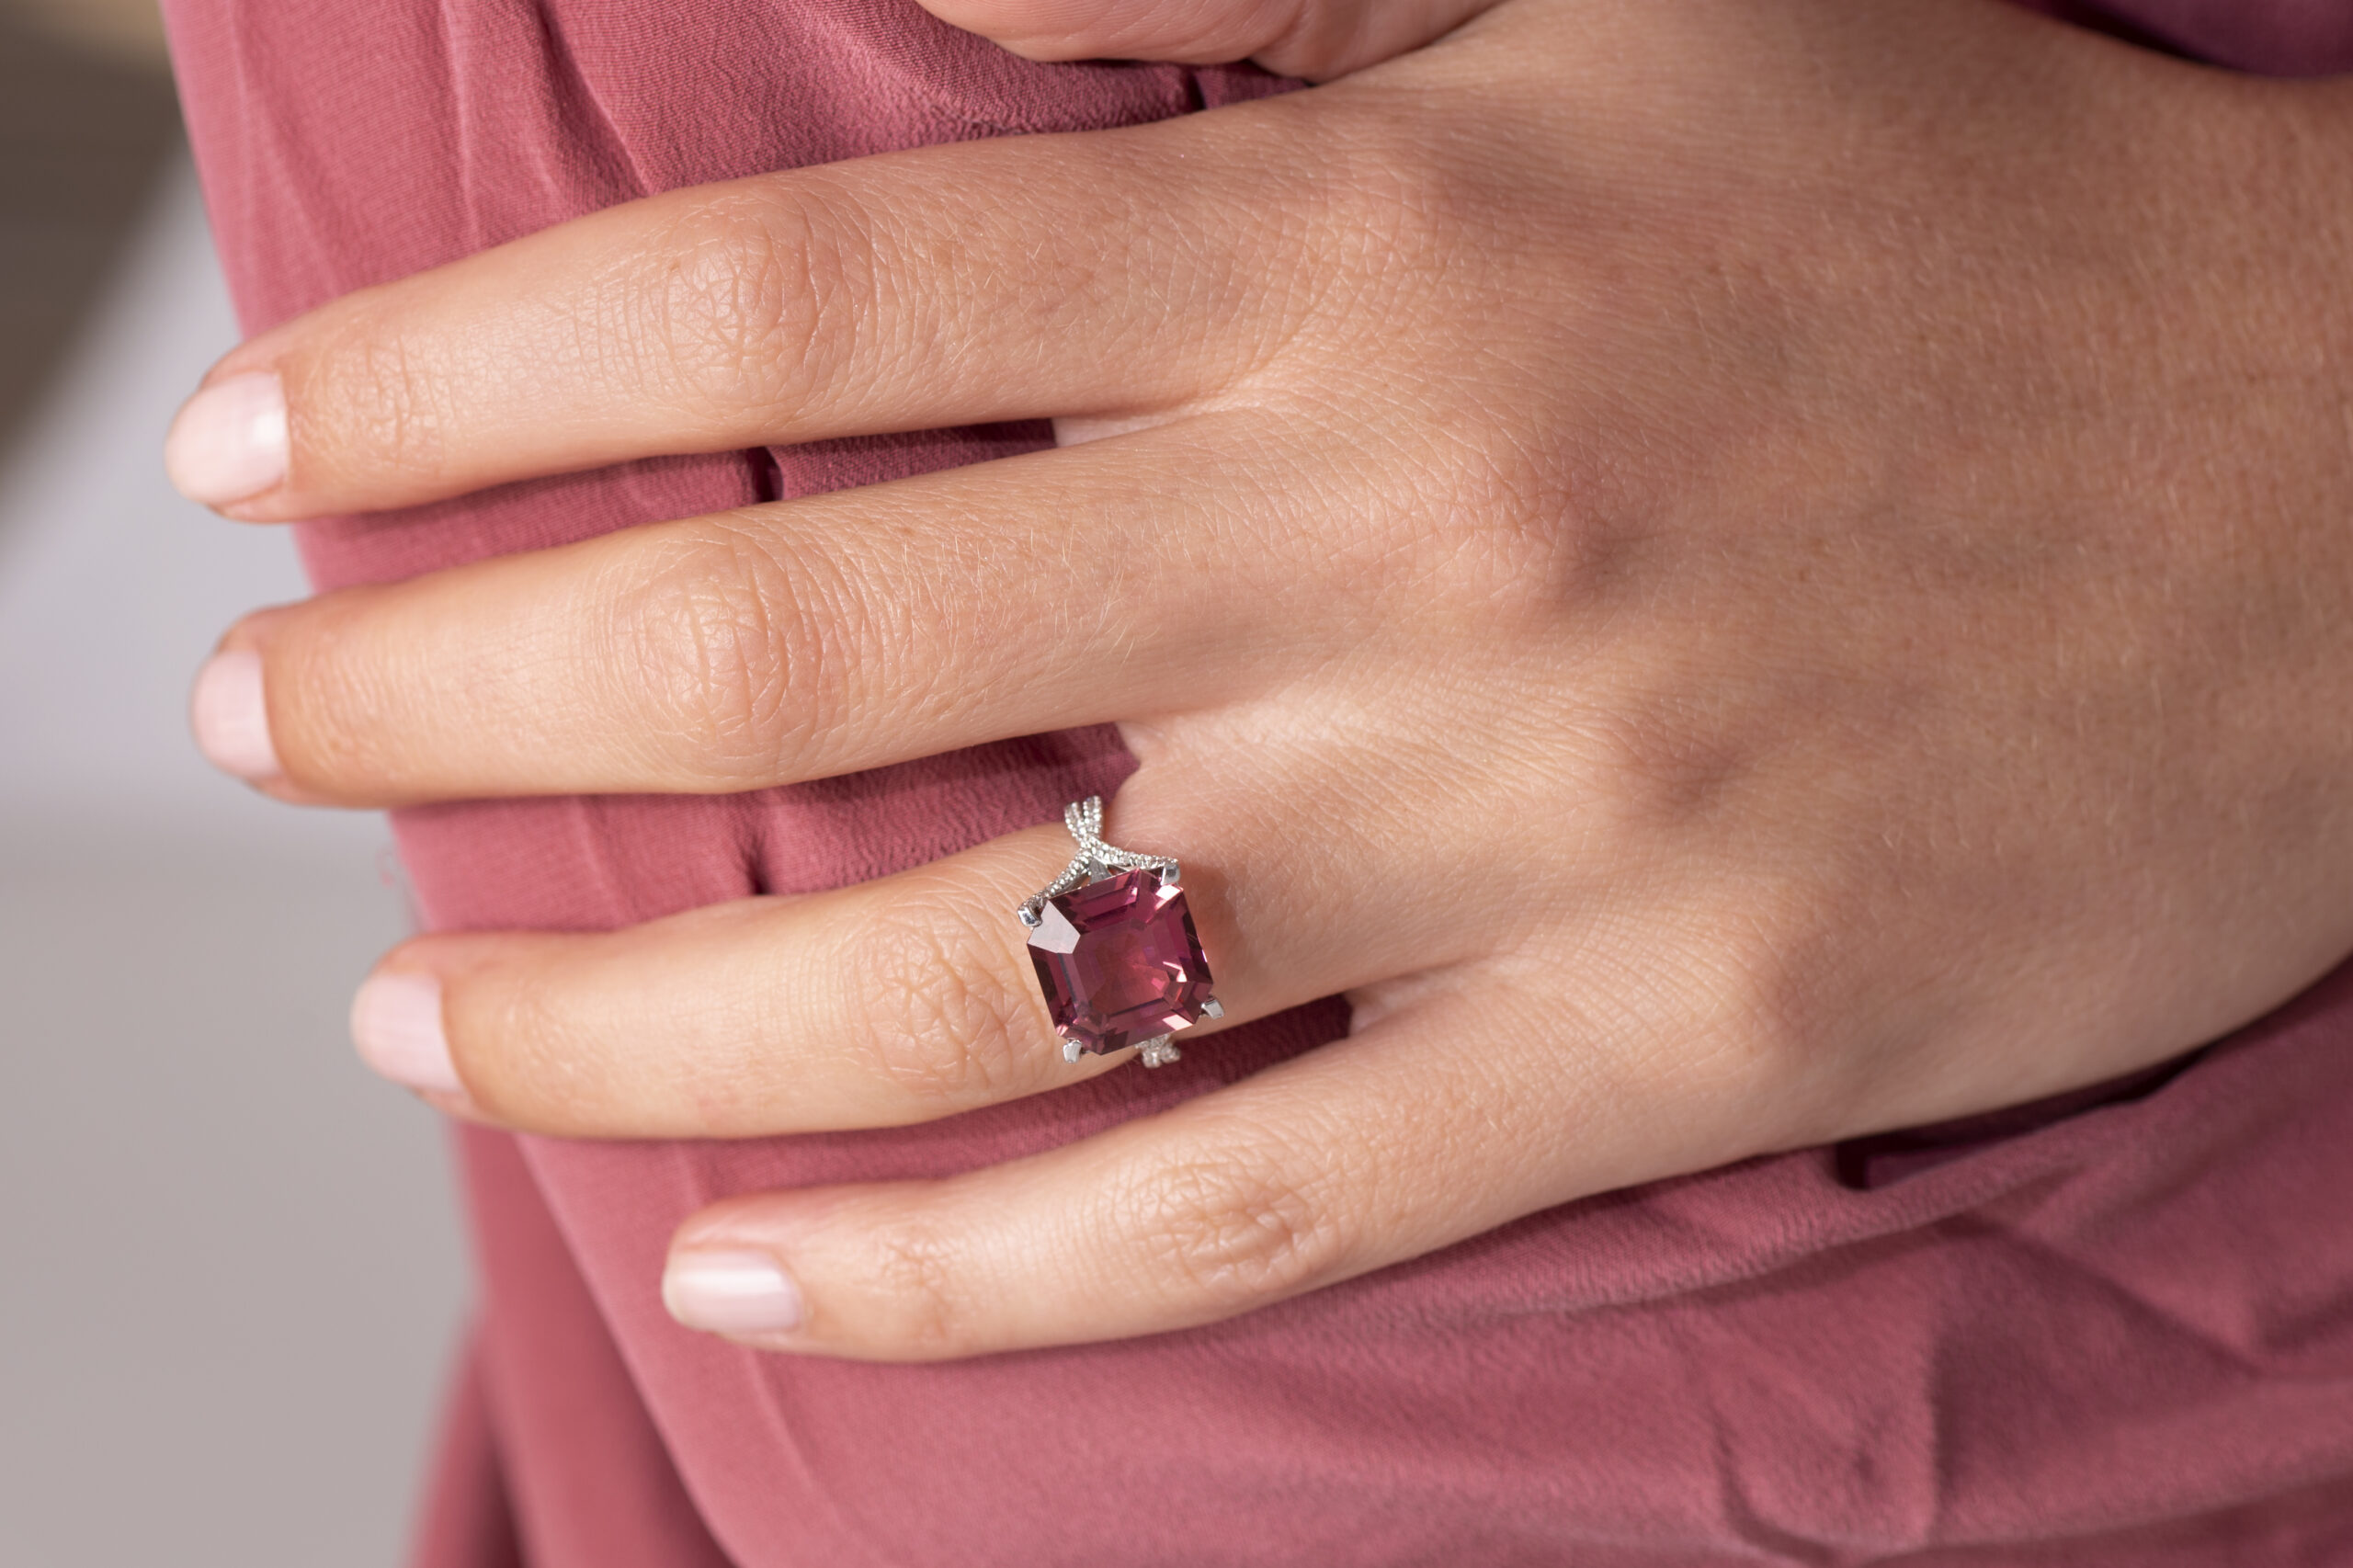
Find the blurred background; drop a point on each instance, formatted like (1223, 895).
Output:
(230, 1272)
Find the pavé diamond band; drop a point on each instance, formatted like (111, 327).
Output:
(1114, 949)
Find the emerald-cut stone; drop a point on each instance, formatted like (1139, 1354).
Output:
(1119, 961)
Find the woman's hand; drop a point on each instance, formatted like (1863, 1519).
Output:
(1733, 575)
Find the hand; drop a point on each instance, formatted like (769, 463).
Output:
(1732, 575)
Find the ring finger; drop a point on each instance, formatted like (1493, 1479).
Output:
(895, 1001)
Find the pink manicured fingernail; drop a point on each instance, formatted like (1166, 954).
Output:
(396, 1024)
(729, 1292)
(229, 441)
(230, 721)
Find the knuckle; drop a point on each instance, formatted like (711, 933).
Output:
(367, 397)
(1234, 1229)
(950, 1022)
(1670, 743)
(755, 299)
(914, 1277)
(1755, 974)
(1665, 769)
(729, 651)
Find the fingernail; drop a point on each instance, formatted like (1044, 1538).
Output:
(229, 440)
(396, 1024)
(230, 721)
(729, 1292)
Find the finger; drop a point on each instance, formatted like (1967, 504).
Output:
(775, 644)
(898, 1001)
(894, 1001)
(1429, 1127)
(1012, 278)
(1316, 39)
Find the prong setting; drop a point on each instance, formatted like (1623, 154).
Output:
(1094, 859)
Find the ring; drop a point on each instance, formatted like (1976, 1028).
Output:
(1114, 949)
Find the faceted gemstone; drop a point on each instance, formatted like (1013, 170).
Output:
(1119, 961)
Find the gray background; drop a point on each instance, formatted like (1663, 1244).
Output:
(230, 1273)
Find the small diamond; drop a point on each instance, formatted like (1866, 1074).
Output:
(1119, 963)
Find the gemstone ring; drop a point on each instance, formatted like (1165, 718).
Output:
(1114, 949)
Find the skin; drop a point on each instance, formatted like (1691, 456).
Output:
(1733, 575)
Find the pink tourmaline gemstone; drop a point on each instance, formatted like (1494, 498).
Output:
(1119, 961)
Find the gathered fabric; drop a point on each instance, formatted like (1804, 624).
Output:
(2116, 1330)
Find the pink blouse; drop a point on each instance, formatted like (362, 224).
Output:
(2114, 1331)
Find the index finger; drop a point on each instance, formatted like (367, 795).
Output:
(1014, 279)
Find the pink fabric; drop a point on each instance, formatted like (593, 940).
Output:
(2122, 1337)
(2272, 37)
